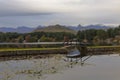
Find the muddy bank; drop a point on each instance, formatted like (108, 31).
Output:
(32, 52)
(103, 50)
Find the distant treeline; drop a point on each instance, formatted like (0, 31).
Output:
(35, 36)
(94, 36)
(100, 37)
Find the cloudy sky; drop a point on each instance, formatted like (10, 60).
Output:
(32, 13)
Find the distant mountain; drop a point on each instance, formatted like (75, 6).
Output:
(22, 29)
(97, 26)
(39, 27)
(55, 28)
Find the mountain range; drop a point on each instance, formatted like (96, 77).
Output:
(22, 29)
(97, 26)
(53, 28)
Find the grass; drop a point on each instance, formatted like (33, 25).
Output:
(23, 49)
(58, 48)
(103, 46)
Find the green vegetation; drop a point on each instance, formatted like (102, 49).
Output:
(58, 33)
(104, 46)
(100, 37)
(23, 49)
(35, 37)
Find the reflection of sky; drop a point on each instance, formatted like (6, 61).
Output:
(103, 67)
(69, 12)
(96, 68)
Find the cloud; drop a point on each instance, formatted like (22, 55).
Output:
(20, 8)
(60, 11)
(56, 6)
(12, 7)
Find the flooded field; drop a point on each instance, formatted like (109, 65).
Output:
(58, 67)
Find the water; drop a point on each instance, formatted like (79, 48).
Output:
(57, 67)
(96, 68)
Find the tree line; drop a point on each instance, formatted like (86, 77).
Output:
(35, 36)
(100, 37)
(95, 37)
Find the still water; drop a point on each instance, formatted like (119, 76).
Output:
(58, 67)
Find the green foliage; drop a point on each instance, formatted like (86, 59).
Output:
(21, 49)
(35, 36)
(44, 39)
(8, 37)
(98, 37)
(20, 39)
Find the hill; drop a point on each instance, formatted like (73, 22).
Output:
(55, 28)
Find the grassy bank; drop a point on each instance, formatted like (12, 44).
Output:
(24, 49)
(7, 52)
(104, 46)
(103, 49)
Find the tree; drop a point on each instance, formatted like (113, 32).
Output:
(20, 39)
(27, 38)
(45, 39)
(111, 33)
(96, 40)
(102, 34)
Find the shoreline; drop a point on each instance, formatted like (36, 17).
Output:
(31, 51)
(6, 52)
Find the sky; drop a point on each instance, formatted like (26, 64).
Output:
(14, 13)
